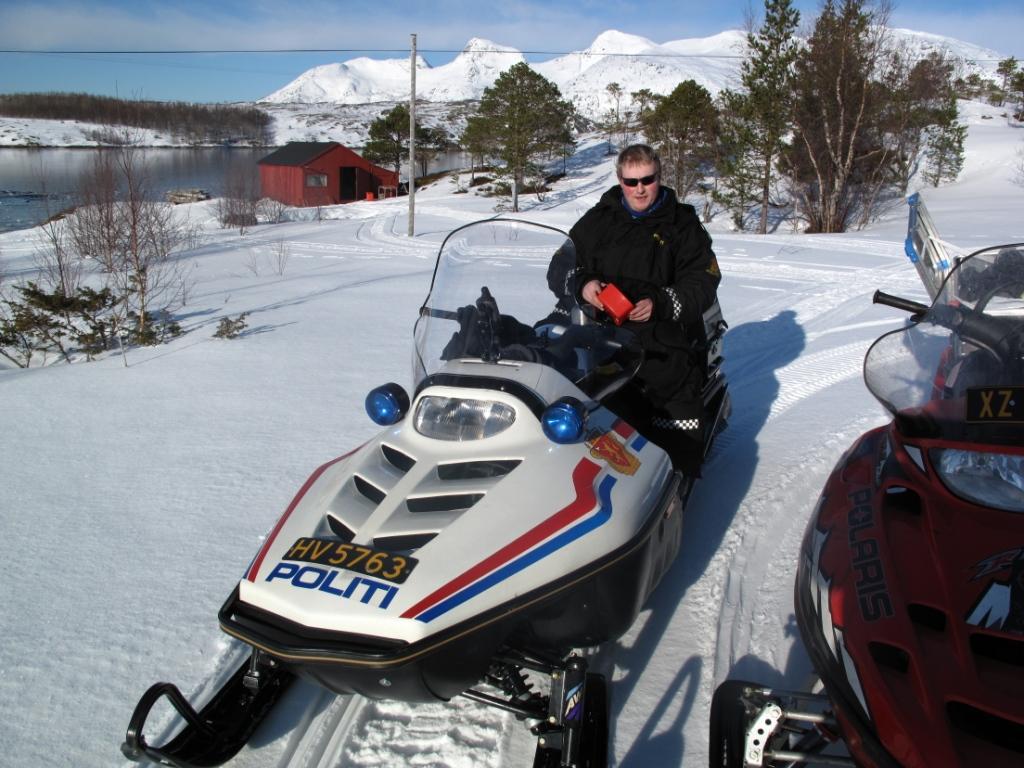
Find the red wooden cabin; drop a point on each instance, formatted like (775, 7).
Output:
(309, 173)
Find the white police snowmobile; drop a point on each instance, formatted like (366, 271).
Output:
(503, 519)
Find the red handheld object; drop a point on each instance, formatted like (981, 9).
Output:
(615, 303)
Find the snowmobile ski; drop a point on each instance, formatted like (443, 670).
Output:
(216, 733)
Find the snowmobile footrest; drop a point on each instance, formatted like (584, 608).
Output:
(216, 733)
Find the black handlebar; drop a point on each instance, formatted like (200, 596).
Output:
(991, 333)
(913, 307)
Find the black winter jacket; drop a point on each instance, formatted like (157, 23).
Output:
(665, 256)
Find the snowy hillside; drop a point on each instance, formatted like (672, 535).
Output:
(133, 497)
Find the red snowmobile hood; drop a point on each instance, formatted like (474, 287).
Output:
(924, 614)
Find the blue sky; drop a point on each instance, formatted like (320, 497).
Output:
(347, 27)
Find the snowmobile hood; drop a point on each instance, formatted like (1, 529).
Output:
(410, 534)
(911, 600)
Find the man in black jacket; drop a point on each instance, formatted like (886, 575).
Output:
(655, 250)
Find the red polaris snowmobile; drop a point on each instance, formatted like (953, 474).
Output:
(910, 584)
(503, 518)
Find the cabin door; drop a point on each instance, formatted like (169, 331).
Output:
(348, 184)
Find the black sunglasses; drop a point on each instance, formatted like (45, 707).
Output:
(646, 180)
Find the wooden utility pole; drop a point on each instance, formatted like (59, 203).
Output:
(412, 139)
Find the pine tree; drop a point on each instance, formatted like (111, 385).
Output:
(613, 125)
(919, 98)
(475, 141)
(945, 153)
(389, 138)
(1007, 68)
(836, 142)
(644, 100)
(767, 76)
(1017, 88)
(524, 117)
(682, 127)
(737, 179)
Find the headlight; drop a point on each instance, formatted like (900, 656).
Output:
(452, 418)
(992, 479)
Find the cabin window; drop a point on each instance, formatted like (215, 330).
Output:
(316, 179)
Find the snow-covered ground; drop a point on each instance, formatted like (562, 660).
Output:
(132, 498)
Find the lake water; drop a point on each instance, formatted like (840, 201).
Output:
(38, 183)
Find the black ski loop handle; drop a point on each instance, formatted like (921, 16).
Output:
(135, 745)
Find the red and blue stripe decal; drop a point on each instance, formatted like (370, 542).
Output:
(564, 527)
(623, 430)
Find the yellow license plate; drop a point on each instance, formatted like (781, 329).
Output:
(995, 404)
(352, 557)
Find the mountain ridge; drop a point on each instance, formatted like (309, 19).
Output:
(632, 61)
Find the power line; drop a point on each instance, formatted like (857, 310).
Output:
(189, 51)
(253, 51)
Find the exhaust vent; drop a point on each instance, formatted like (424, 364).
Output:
(926, 616)
(987, 726)
(452, 502)
(477, 470)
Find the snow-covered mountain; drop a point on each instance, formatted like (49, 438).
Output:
(582, 76)
(363, 80)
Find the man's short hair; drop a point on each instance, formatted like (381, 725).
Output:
(637, 154)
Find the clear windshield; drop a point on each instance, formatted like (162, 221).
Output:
(953, 368)
(503, 291)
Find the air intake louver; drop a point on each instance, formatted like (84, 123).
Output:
(476, 470)
(398, 460)
(369, 490)
(1004, 649)
(455, 502)
(987, 726)
(926, 616)
(902, 501)
(889, 656)
(406, 543)
(377, 502)
(339, 529)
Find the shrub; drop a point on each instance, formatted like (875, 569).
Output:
(231, 329)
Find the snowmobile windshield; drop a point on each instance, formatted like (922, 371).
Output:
(957, 370)
(503, 291)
